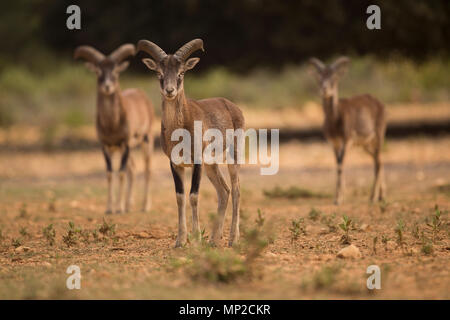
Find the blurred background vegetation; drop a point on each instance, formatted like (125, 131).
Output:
(255, 51)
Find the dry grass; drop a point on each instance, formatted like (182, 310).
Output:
(132, 256)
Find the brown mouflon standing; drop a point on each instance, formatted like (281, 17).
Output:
(180, 112)
(124, 120)
(359, 120)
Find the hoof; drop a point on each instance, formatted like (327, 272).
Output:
(232, 243)
(375, 200)
(179, 244)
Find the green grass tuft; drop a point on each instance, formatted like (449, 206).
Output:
(293, 192)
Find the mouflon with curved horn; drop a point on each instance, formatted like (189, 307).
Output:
(359, 120)
(124, 120)
(179, 112)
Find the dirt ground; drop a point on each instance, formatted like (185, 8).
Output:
(138, 260)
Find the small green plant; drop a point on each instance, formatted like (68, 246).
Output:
(225, 266)
(374, 244)
(23, 212)
(427, 244)
(435, 224)
(49, 234)
(326, 276)
(52, 205)
(71, 238)
(399, 229)
(255, 241)
(345, 226)
(203, 237)
(293, 193)
(95, 235)
(314, 214)
(24, 232)
(445, 188)
(330, 222)
(260, 219)
(85, 236)
(297, 228)
(415, 231)
(212, 265)
(427, 248)
(199, 236)
(107, 229)
(16, 242)
(385, 239)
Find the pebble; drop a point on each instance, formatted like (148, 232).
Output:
(349, 252)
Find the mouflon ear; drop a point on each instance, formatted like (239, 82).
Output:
(191, 63)
(92, 67)
(340, 66)
(150, 63)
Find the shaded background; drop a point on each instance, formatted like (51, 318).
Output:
(239, 34)
(255, 53)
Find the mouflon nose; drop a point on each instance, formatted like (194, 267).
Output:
(170, 90)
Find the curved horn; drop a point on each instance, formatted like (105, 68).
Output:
(89, 53)
(319, 65)
(152, 49)
(189, 48)
(123, 52)
(340, 62)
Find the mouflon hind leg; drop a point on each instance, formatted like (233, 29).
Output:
(223, 192)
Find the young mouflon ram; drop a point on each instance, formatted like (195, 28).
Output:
(123, 121)
(357, 120)
(179, 112)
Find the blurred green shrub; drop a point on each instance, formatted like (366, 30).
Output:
(66, 93)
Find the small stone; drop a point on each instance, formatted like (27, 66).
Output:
(349, 252)
(270, 255)
(364, 227)
(142, 235)
(156, 233)
(22, 249)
